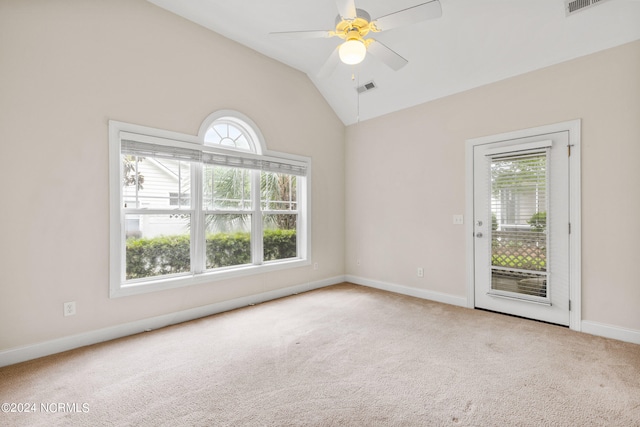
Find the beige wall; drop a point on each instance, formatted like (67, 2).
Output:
(406, 178)
(66, 68)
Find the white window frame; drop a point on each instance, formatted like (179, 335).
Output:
(119, 286)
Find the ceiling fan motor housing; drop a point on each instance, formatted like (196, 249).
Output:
(354, 29)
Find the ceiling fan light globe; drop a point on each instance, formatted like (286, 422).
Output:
(352, 52)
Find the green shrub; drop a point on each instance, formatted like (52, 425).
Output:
(158, 256)
(538, 221)
(172, 254)
(226, 249)
(279, 244)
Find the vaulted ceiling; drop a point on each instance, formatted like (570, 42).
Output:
(474, 42)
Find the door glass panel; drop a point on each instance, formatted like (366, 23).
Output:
(519, 226)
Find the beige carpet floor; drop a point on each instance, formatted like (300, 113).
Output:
(340, 356)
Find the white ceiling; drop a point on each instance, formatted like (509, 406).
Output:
(475, 42)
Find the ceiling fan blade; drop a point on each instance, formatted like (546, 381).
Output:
(409, 16)
(386, 55)
(347, 9)
(330, 65)
(289, 35)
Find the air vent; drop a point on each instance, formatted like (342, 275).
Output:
(574, 6)
(366, 87)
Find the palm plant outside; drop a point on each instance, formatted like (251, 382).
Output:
(131, 176)
(229, 190)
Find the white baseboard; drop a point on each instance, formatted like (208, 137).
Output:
(406, 290)
(22, 354)
(589, 327)
(34, 351)
(610, 331)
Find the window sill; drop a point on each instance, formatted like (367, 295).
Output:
(118, 289)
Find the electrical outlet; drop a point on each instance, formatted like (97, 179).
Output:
(69, 308)
(458, 219)
(420, 272)
(315, 266)
(358, 261)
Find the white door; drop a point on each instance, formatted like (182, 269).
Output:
(521, 227)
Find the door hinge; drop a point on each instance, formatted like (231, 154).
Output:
(569, 305)
(569, 228)
(569, 150)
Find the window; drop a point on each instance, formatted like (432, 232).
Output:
(187, 210)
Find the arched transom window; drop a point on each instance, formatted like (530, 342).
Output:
(229, 134)
(231, 130)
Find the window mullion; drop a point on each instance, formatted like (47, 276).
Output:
(198, 238)
(302, 237)
(257, 253)
(299, 219)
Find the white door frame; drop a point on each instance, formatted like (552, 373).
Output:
(573, 127)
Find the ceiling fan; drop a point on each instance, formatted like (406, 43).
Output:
(353, 25)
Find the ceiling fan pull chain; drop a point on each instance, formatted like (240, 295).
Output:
(357, 83)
